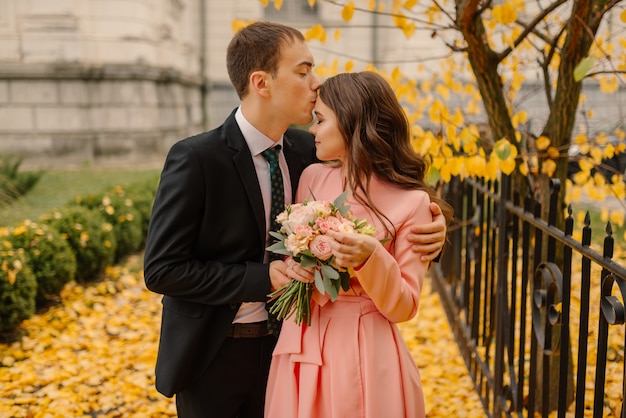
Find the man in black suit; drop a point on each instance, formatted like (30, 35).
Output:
(208, 232)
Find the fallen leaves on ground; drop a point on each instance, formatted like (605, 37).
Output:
(93, 355)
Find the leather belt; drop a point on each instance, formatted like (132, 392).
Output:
(248, 330)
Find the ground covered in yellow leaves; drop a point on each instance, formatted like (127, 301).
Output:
(93, 355)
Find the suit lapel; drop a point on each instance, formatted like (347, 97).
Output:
(247, 173)
(295, 164)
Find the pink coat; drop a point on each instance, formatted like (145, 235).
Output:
(352, 361)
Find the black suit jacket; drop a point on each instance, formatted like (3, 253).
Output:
(206, 243)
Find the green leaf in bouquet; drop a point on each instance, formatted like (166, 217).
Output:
(307, 260)
(330, 276)
(331, 273)
(278, 250)
(340, 200)
(278, 235)
(339, 203)
(345, 280)
(319, 282)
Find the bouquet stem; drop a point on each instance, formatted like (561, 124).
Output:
(293, 298)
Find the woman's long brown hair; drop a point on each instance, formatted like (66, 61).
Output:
(376, 132)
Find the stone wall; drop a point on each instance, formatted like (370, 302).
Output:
(77, 115)
(98, 81)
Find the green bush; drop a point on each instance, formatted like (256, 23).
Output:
(18, 287)
(142, 193)
(48, 254)
(120, 212)
(14, 183)
(90, 236)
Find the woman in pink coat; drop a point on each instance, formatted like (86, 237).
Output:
(352, 361)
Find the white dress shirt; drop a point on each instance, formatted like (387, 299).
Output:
(257, 143)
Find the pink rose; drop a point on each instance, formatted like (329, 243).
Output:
(320, 247)
(330, 223)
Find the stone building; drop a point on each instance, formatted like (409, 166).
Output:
(116, 82)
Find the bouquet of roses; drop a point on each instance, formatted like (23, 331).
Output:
(302, 236)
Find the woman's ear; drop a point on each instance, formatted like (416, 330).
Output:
(258, 82)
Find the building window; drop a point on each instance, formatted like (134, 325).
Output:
(292, 10)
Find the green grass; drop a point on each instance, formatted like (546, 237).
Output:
(57, 188)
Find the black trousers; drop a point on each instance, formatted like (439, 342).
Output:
(234, 385)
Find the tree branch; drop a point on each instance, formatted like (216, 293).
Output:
(414, 19)
(529, 28)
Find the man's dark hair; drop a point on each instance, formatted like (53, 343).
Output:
(257, 47)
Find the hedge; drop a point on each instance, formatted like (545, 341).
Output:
(73, 243)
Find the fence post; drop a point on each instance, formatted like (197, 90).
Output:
(501, 317)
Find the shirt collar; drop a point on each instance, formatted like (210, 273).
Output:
(256, 140)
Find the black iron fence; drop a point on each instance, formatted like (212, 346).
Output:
(539, 316)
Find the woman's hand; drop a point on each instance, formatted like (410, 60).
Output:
(352, 250)
(296, 272)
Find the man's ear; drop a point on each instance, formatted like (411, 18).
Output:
(258, 82)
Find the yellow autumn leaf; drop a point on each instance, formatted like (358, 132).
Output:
(609, 84)
(519, 5)
(523, 168)
(609, 152)
(396, 74)
(581, 177)
(264, 2)
(543, 142)
(618, 187)
(316, 32)
(470, 148)
(604, 214)
(278, 4)
(445, 173)
(622, 16)
(491, 169)
(439, 162)
(453, 137)
(337, 35)
(239, 24)
(454, 165)
(437, 112)
(596, 155)
(371, 6)
(348, 11)
(11, 276)
(311, 3)
(580, 139)
(504, 13)
(553, 153)
(408, 29)
(617, 218)
(520, 117)
(548, 167)
(508, 166)
(473, 107)
(576, 193)
(349, 66)
(442, 91)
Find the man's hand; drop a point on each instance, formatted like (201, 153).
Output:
(282, 272)
(428, 239)
(278, 275)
